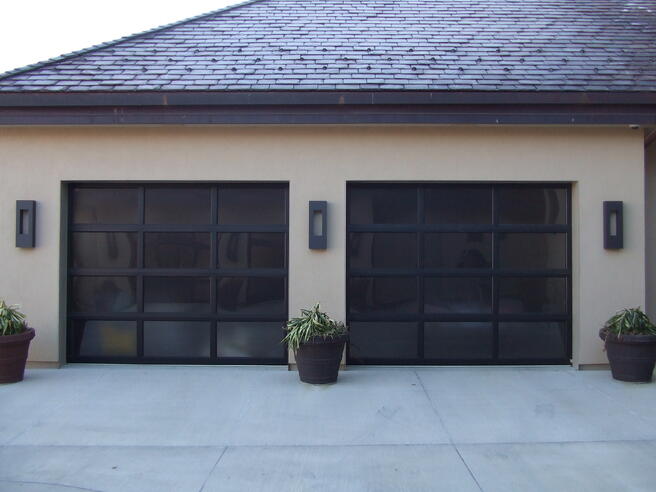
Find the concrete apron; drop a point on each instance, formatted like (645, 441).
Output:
(181, 428)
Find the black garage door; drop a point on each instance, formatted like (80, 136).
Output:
(459, 273)
(177, 273)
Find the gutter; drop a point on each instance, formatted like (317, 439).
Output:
(328, 107)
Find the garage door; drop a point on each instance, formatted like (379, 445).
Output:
(459, 273)
(177, 273)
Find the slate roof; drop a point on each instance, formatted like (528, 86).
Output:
(268, 45)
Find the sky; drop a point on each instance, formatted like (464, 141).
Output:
(35, 30)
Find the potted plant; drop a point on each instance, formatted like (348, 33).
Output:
(318, 343)
(15, 337)
(630, 339)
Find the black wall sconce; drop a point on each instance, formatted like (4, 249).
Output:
(613, 225)
(25, 223)
(318, 237)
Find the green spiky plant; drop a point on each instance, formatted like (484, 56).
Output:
(313, 323)
(630, 321)
(12, 321)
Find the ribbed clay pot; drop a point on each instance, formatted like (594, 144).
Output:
(13, 355)
(318, 360)
(631, 357)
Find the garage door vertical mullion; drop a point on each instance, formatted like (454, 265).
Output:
(420, 272)
(214, 255)
(495, 278)
(141, 214)
(570, 268)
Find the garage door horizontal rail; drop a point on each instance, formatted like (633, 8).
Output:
(175, 228)
(182, 272)
(458, 317)
(456, 228)
(204, 316)
(454, 272)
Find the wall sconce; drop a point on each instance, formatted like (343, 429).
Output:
(25, 223)
(613, 225)
(318, 233)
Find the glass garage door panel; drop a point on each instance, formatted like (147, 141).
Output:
(378, 295)
(176, 294)
(383, 205)
(178, 205)
(452, 340)
(458, 205)
(110, 205)
(383, 341)
(241, 339)
(251, 250)
(179, 273)
(177, 249)
(458, 250)
(177, 339)
(100, 294)
(104, 249)
(458, 273)
(382, 250)
(106, 338)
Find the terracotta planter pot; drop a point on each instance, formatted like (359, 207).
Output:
(631, 357)
(318, 360)
(13, 356)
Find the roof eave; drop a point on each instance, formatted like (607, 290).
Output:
(329, 107)
(27, 99)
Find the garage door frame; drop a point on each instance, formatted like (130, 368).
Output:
(140, 272)
(420, 228)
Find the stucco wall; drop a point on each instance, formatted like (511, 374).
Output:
(650, 228)
(602, 164)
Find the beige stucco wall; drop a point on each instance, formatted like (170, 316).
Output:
(603, 164)
(650, 228)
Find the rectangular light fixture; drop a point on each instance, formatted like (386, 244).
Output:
(318, 233)
(25, 223)
(613, 225)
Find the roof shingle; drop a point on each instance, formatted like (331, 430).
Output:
(508, 45)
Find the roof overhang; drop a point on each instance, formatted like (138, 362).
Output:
(328, 107)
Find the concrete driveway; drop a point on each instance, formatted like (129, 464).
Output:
(161, 428)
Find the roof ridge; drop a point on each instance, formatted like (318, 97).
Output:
(107, 44)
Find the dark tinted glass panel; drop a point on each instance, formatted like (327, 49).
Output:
(532, 295)
(528, 250)
(243, 205)
(383, 250)
(533, 340)
(383, 295)
(177, 249)
(176, 338)
(458, 205)
(178, 205)
(458, 295)
(251, 295)
(383, 205)
(260, 340)
(176, 294)
(103, 294)
(380, 340)
(532, 205)
(458, 250)
(105, 338)
(104, 249)
(105, 205)
(455, 340)
(251, 250)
